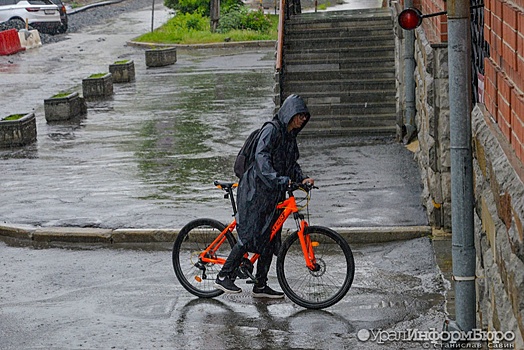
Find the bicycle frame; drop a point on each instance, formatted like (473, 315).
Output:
(288, 207)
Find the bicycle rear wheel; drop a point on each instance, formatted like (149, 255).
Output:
(331, 280)
(194, 275)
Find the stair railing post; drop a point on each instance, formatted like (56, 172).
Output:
(280, 50)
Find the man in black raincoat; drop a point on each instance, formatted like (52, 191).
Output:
(261, 187)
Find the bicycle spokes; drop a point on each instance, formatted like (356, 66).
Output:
(315, 269)
(198, 251)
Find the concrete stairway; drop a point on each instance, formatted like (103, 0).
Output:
(343, 64)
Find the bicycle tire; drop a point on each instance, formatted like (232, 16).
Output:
(192, 239)
(320, 289)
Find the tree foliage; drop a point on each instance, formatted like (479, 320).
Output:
(198, 6)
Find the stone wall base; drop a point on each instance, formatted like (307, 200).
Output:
(499, 234)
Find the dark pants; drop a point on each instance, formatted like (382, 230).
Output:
(235, 258)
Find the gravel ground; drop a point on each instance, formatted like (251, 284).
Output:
(79, 20)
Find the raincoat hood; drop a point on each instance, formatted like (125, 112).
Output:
(294, 104)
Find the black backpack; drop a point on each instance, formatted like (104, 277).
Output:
(246, 155)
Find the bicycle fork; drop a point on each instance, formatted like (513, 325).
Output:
(307, 247)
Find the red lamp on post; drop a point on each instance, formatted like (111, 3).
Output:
(410, 18)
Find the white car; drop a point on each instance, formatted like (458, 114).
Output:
(40, 14)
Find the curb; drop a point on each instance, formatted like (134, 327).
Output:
(229, 44)
(81, 235)
(87, 7)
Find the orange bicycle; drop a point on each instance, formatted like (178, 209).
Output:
(315, 266)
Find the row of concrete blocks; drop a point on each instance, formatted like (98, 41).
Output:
(101, 86)
(21, 131)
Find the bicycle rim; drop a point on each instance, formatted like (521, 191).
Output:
(336, 269)
(197, 277)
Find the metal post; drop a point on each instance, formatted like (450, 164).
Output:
(153, 16)
(409, 81)
(214, 14)
(462, 224)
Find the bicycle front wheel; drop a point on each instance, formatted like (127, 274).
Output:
(196, 276)
(332, 277)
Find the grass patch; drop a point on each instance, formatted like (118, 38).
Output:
(97, 75)
(121, 62)
(170, 34)
(62, 94)
(15, 116)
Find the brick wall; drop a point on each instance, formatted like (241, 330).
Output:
(436, 28)
(504, 69)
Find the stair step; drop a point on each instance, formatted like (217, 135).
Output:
(331, 57)
(323, 75)
(344, 41)
(360, 108)
(355, 48)
(340, 18)
(345, 118)
(370, 32)
(311, 132)
(337, 86)
(331, 43)
(299, 63)
(361, 121)
(363, 96)
(342, 120)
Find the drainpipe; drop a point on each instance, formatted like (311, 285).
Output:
(409, 81)
(463, 244)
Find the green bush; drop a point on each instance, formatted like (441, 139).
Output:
(189, 21)
(240, 17)
(189, 6)
(258, 21)
(198, 6)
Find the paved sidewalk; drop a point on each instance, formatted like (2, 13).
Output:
(140, 165)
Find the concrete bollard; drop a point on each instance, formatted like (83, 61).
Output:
(29, 39)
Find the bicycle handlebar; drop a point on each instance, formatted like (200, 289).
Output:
(295, 186)
(228, 186)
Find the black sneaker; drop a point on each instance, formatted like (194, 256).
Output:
(266, 292)
(227, 285)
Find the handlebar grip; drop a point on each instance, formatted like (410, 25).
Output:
(295, 186)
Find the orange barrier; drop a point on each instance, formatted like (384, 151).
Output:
(10, 42)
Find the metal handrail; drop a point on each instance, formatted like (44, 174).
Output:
(280, 43)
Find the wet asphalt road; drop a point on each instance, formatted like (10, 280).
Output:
(147, 158)
(129, 299)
